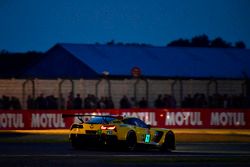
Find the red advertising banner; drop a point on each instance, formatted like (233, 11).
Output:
(165, 118)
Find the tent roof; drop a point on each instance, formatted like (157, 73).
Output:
(59, 63)
(186, 62)
(76, 61)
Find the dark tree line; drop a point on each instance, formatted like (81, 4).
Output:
(196, 41)
(11, 64)
(204, 41)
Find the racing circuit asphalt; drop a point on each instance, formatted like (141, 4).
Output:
(39, 154)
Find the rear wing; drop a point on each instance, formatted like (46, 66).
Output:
(80, 116)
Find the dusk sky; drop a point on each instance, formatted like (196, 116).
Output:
(39, 24)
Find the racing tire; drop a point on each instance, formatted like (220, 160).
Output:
(169, 142)
(131, 141)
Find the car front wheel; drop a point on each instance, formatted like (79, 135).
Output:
(169, 142)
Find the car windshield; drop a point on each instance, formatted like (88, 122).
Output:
(135, 122)
(100, 120)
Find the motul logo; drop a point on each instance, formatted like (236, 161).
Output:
(228, 119)
(11, 120)
(47, 121)
(183, 118)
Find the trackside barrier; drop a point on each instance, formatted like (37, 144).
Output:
(165, 118)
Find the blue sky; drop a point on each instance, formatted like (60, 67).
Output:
(39, 24)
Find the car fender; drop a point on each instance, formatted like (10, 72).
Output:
(123, 130)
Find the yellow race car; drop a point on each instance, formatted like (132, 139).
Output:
(127, 132)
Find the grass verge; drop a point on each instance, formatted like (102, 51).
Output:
(182, 135)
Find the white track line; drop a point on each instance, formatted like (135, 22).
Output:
(122, 155)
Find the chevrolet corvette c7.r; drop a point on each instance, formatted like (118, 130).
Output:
(127, 132)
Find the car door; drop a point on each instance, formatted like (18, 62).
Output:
(141, 129)
(142, 132)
